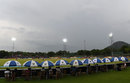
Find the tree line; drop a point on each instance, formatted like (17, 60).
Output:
(80, 53)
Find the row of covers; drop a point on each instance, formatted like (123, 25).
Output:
(33, 63)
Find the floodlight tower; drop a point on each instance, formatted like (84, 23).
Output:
(111, 40)
(84, 44)
(13, 39)
(85, 47)
(64, 40)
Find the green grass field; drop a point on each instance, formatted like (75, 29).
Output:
(101, 77)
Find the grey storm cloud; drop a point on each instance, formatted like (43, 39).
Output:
(20, 29)
(40, 25)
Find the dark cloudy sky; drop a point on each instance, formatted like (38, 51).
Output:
(40, 25)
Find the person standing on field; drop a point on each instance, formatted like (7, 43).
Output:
(7, 74)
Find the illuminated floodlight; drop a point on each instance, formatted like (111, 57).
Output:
(13, 39)
(111, 35)
(65, 40)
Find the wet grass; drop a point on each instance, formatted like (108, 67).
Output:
(101, 77)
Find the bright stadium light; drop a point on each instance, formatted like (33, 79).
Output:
(65, 40)
(13, 39)
(111, 35)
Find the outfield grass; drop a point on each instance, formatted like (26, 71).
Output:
(101, 77)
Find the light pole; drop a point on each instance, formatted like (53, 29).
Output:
(85, 47)
(84, 44)
(65, 40)
(13, 40)
(111, 40)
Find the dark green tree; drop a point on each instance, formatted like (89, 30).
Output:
(4, 54)
(51, 54)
